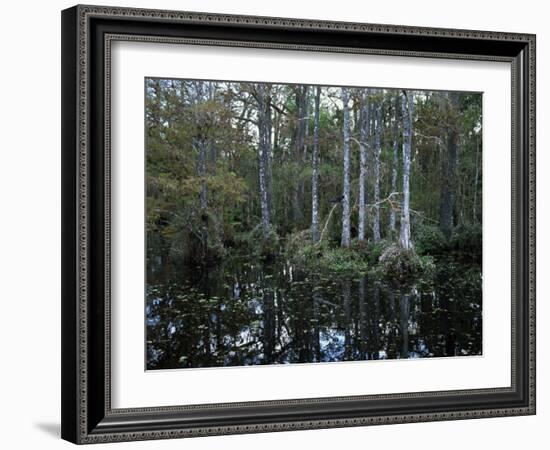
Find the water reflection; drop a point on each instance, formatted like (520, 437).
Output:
(246, 313)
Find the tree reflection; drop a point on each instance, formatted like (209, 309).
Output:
(247, 313)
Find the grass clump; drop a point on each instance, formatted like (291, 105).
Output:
(343, 261)
(405, 265)
(321, 257)
(382, 259)
(372, 250)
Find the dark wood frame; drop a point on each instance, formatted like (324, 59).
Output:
(87, 32)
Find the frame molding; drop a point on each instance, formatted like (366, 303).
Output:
(87, 33)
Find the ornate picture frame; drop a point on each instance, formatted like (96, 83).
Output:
(87, 35)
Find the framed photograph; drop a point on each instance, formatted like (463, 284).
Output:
(278, 224)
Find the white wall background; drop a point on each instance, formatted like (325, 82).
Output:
(30, 224)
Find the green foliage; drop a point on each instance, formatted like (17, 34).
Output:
(469, 280)
(224, 118)
(321, 257)
(271, 246)
(192, 238)
(467, 239)
(372, 250)
(253, 242)
(404, 265)
(343, 261)
(428, 267)
(429, 240)
(382, 258)
(300, 247)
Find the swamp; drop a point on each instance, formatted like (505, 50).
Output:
(310, 224)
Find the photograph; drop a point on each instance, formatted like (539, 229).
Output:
(286, 219)
(294, 223)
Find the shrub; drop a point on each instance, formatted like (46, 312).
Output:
(297, 244)
(468, 239)
(320, 257)
(428, 267)
(300, 249)
(270, 246)
(343, 261)
(255, 244)
(372, 250)
(187, 246)
(404, 265)
(429, 240)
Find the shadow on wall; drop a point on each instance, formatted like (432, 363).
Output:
(53, 429)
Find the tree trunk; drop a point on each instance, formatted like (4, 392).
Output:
(448, 170)
(301, 103)
(377, 151)
(264, 150)
(201, 147)
(213, 149)
(407, 110)
(315, 170)
(299, 151)
(363, 136)
(269, 154)
(395, 161)
(476, 181)
(346, 237)
(156, 118)
(199, 141)
(305, 121)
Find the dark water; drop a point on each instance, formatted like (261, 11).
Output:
(249, 312)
